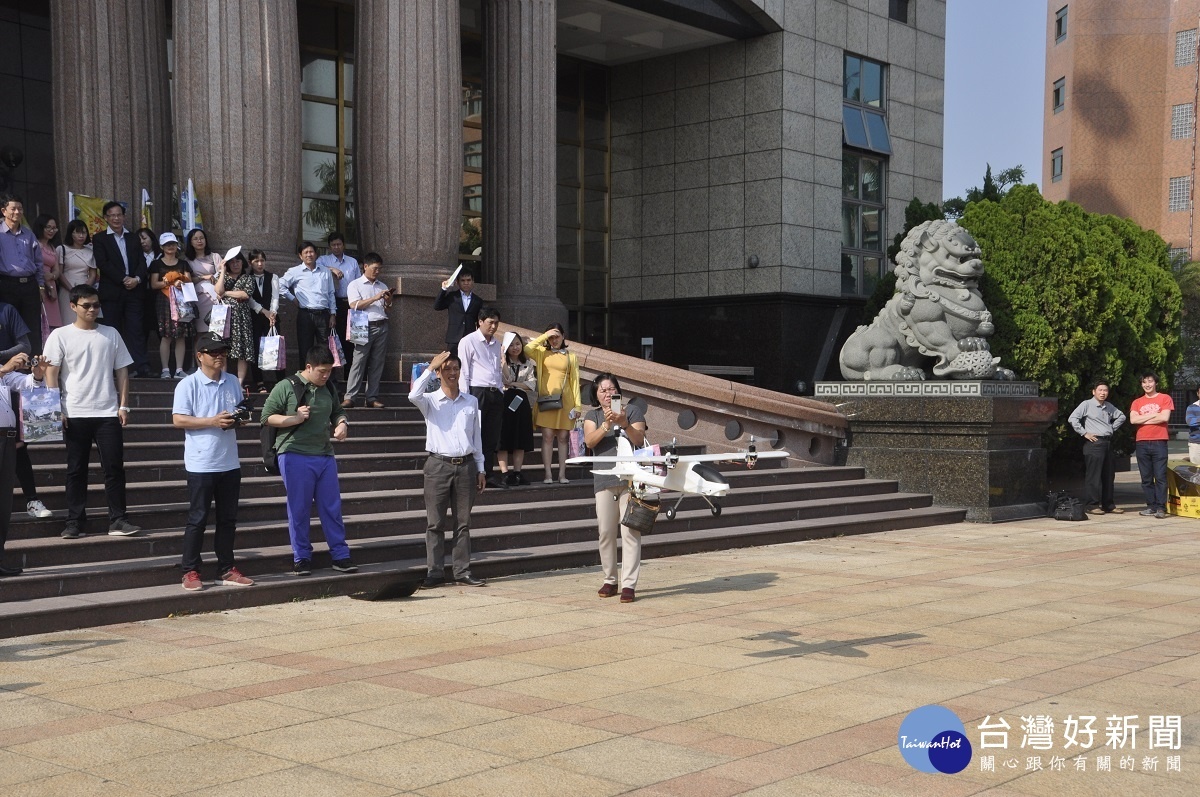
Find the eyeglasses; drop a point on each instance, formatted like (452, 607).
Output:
(88, 305)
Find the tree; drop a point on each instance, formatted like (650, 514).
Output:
(993, 189)
(1187, 277)
(1075, 296)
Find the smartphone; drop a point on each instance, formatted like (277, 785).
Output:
(616, 405)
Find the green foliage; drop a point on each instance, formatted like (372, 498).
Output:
(884, 289)
(1076, 296)
(1187, 277)
(994, 189)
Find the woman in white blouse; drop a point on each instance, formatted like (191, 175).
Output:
(78, 266)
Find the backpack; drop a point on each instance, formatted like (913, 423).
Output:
(269, 438)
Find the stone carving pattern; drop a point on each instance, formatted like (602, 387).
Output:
(936, 325)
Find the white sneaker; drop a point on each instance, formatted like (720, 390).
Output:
(166, 374)
(36, 508)
(180, 374)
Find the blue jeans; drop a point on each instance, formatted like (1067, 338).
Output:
(1152, 464)
(306, 478)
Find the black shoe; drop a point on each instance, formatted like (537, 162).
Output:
(496, 482)
(432, 583)
(512, 479)
(468, 581)
(344, 566)
(9, 571)
(521, 480)
(302, 568)
(72, 532)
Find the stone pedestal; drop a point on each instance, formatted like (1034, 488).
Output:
(976, 445)
(112, 107)
(237, 121)
(519, 159)
(408, 162)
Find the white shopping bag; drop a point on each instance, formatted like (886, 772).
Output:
(41, 415)
(358, 327)
(218, 320)
(272, 354)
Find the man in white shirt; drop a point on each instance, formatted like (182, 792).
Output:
(453, 470)
(367, 295)
(345, 270)
(311, 286)
(482, 376)
(89, 363)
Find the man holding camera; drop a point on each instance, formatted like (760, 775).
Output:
(208, 407)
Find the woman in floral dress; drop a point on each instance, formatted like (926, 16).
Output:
(234, 286)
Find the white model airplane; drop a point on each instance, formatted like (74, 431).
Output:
(686, 474)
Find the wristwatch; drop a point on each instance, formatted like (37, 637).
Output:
(122, 409)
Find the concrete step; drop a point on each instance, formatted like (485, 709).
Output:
(264, 493)
(40, 615)
(144, 562)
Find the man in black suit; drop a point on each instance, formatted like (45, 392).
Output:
(123, 280)
(462, 308)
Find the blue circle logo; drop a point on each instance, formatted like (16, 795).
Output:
(933, 739)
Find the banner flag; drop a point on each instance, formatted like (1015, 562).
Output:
(89, 210)
(189, 209)
(147, 210)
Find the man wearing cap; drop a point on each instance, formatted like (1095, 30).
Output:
(204, 406)
(89, 363)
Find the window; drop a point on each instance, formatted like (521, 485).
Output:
(1060, 25)
(864, 120)
(863, 196)
(327, 121)
(1183, 120)
(898, 10)
(1056, 165)
(1185, 47)
(1177, 256)
(862, 81)
(1179, 196)
(1059, 97)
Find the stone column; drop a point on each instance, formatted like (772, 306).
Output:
(112, 109)
(408, 161)
(237, 117)
(519, 159)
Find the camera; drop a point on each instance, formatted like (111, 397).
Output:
(243, 412)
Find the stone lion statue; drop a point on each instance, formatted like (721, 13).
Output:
(936, 325)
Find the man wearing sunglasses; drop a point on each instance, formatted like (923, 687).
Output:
(89, 363)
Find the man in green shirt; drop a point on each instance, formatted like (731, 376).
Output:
(304, 409)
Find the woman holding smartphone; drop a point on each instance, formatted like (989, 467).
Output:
(601, 428)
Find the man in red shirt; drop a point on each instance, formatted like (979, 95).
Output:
(1149, 413)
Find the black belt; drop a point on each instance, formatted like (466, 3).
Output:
(18, 279)
(8, 432)
(321, 310)
(377, 323)
(452, 460)
(1100, 437)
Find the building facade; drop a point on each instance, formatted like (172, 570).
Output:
(1120, 118)
(711, 183)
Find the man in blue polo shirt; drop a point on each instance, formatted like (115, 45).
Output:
(204, 407)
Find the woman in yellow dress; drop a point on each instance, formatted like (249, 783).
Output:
(557, 396)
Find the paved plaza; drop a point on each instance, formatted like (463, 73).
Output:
(782, 670)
